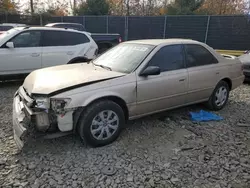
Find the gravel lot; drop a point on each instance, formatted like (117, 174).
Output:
(164, 150)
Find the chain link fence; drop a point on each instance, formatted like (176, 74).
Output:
(220, 32)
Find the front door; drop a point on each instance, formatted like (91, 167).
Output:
(24, 57)
(167, 90)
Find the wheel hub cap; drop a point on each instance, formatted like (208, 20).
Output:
(104, 125)
(221, 96)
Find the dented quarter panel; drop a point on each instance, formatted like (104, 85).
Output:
(231, 69)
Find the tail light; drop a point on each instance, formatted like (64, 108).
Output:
(96, 52)
(120, 39)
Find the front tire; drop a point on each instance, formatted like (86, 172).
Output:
(219, 97)
(101, 123)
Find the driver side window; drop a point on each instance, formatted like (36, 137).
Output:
(27, 39)
(168, 58)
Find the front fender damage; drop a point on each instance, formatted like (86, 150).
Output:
(68, 120)
(32, 123)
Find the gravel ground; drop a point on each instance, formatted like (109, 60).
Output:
(163, 150)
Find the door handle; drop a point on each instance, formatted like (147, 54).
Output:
(217, 73)
(70, 53)
(182, 80)
(35, 55)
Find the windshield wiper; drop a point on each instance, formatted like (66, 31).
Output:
(103, 66)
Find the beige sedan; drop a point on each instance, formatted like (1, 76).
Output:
(131, 80)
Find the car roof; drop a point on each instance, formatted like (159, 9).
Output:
(157, 42)
(49, 29)
(12, 24)
(61, 23)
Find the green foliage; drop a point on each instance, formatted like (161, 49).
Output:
(184, 7)
(93, 7)
(8, 6)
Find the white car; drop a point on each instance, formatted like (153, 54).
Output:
(24, 49)
(7, 26)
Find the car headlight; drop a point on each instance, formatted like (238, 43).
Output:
(42, 103)
(59, 104)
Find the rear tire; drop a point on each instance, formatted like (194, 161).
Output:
(101, 123)
(219, 97)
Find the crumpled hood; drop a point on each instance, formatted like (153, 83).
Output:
(49, 80)
(245, 58)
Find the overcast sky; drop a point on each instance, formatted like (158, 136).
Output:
(25, 4)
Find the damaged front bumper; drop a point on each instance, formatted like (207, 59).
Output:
(21, 121)
(27, 119)
(24, 118)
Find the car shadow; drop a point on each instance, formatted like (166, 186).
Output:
(140, 126)
(137, 132)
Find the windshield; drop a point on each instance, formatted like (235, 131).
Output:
(124, 58)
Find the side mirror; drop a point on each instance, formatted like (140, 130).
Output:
(10, 44)
(151, 70)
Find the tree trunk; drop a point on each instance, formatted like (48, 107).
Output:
(221, 4)
(74, 7)
(31, 7)
(143, 8)
(121, 13)
(127, 7)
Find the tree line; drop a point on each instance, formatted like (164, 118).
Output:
(127, 7)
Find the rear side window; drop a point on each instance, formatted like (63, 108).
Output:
(197, 55)
(168, 58)
(63, 38)
(5, 28)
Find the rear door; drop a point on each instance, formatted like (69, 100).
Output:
(25, 56)
(203, 72)
(59, 47)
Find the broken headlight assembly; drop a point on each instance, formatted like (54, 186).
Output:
(58, 104)
(42, 103)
